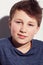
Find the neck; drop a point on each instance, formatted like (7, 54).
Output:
(25, 48)
(22, 48)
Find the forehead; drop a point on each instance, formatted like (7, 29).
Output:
(20, 14)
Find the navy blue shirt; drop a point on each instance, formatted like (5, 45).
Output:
(9, 55)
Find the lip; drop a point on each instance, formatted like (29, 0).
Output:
(22, 36)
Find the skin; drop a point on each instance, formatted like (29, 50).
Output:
(23, 28)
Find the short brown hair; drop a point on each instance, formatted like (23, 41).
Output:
(31, 7)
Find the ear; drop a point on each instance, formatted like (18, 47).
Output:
(9, 23)
(37, 29)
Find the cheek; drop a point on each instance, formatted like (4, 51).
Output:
(14, 28)
(31, 32)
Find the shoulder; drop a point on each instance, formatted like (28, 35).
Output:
(38, 43)
(4, 42)
(39, 47)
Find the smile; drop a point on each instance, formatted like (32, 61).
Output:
(22, 36)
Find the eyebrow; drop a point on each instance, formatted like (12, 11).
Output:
(31, 22)
(19, 19)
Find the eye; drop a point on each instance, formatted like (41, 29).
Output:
(30, 24)
(18, 22)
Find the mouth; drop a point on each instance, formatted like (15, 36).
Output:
(21, 36)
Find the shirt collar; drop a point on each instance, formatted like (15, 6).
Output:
(32, 51)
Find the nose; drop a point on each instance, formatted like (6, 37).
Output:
(23, 29)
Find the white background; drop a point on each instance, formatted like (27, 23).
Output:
(5, 6)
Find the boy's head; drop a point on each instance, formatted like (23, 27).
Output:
(25, 19)
(30, 7)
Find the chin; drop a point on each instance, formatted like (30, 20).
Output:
(22, 43)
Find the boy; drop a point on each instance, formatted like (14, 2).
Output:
(21, 49)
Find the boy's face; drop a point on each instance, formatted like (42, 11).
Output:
(23, 27)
